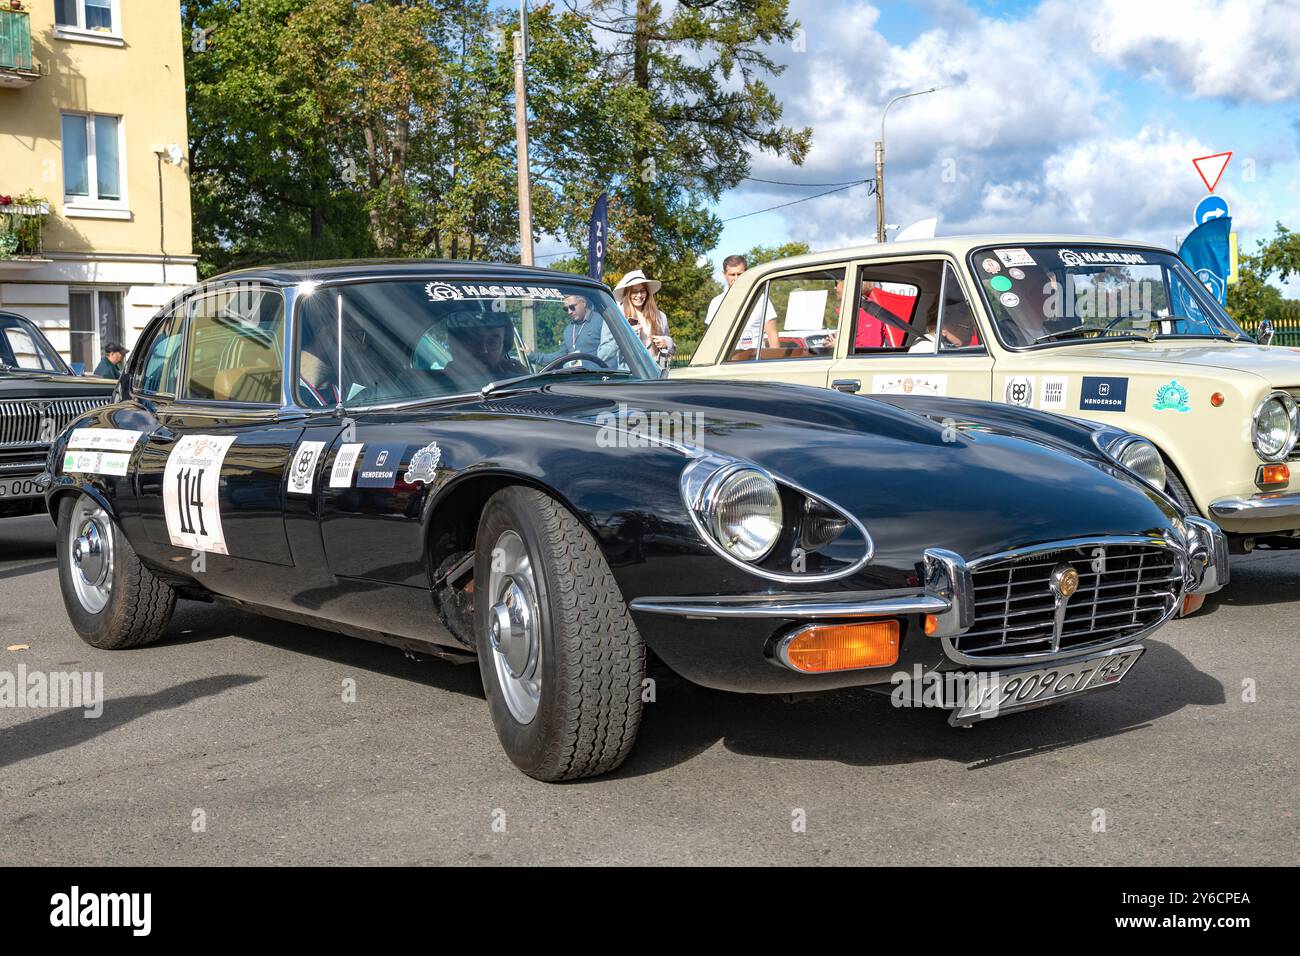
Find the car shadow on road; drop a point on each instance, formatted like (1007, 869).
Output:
(195, 621)
(61, 729)
(861, 728)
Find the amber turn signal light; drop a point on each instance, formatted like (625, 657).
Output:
(1216, 399)
(1191, 604)
(821, 648)
(1273, 475)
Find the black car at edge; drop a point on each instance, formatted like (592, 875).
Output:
(447, 457)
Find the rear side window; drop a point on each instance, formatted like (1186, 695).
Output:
(157, 360)
(236, 339)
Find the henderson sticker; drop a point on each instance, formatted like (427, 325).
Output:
(1172, 397)
(379, 466)
(1097, 394)
(302, 471)
(191, 486)
(344, 462)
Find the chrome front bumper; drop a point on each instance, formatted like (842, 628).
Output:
(1262, 507)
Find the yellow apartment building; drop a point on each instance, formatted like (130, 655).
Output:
(92, 126)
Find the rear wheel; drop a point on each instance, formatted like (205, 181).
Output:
(562, 663)
(113, 600)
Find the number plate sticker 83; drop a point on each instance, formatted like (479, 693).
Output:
(190, 485)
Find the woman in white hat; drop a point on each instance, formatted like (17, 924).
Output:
(636, 294)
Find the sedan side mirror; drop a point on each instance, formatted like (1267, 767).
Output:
(1264, 335)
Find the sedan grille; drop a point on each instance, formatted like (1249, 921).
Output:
(1121, 590)
(31, 421)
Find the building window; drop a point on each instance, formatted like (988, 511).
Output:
(92, 171)
(95, 319)
(99, 16)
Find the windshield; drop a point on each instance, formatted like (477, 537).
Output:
(411, 340)
(1057, 294)
(27, 349)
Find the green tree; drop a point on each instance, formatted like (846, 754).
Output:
(1253, 299)
(758, 255)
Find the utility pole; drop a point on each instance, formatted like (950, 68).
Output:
(521, 139)
(880, 162)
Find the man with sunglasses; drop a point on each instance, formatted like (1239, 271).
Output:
(582, 334)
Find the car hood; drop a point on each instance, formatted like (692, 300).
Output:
(1277, 365)
(914, 482)
(45, 385)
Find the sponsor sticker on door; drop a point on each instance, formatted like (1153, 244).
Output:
(1053, 392)
(380, 465)
(103, 439)
(910, 384)
(302, 467)
(1103, 394)
(191, 486)
(344, 463)
(1020, 391)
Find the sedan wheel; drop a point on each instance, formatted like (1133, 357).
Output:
(90, 553)
(513, 627)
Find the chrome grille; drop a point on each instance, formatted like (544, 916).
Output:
(20, 420)
(1016, 606)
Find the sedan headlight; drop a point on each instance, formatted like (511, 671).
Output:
(744, 508)
(1273, 431)
(1142, 458)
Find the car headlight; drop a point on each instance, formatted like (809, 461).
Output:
(1273, 430)
(744, 508)
(1142, 458)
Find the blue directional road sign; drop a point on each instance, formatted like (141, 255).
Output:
(1211, 207)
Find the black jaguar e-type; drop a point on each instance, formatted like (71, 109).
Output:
(481, 461)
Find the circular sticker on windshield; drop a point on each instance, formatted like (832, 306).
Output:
(990, 266)
(1010, 300)
(1000, 284)
(1016, 273)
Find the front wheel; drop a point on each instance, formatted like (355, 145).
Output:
(113, 600)
(561, 660)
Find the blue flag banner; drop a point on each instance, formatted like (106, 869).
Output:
(1206, 252)
(596, 238)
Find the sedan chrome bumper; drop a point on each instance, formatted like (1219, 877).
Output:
(1263, 507)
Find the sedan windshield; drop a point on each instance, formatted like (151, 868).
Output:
(1056, 295)
(408, 340)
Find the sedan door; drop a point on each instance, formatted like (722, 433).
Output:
(912, 330)
(218, 442)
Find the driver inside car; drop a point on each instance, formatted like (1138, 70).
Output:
(480, 349)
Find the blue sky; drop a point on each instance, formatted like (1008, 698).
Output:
(1055, 117)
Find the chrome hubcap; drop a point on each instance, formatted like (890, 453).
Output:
(90, 553)
(514, 627)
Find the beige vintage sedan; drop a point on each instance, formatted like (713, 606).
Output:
(1117, 332)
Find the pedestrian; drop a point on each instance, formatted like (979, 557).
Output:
(733, 267)
(110, 366)
(636, 294)
(581, 334)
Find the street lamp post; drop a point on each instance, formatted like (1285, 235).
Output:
(880, 162)
(521, 140)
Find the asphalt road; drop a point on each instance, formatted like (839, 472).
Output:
(235, 726)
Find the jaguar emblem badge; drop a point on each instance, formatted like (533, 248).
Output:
(424, 463)
(1065, 581)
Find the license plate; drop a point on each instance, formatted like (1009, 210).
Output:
(1006, 692)
(18, 488)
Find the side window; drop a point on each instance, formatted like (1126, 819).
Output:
(958, 329)
(158, 360)
(236, 339)
(791, 317)
(896, 307)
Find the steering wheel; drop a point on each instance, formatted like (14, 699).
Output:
(570, 356)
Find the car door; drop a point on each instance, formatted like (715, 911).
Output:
(219, 439)
(911, 329)
(787, 329)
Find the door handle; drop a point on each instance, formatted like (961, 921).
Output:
(850, 385)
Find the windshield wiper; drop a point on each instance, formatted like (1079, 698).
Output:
(1082, 328)
(491, 387)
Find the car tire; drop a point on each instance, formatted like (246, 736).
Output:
(564, 666)
(116, 604)
(1178, 491)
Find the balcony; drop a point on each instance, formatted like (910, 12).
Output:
(22, 227)
(17, 69)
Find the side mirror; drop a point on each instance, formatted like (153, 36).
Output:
(1264, 335)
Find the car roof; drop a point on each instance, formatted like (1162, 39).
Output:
(955, 245)
(293, 273)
